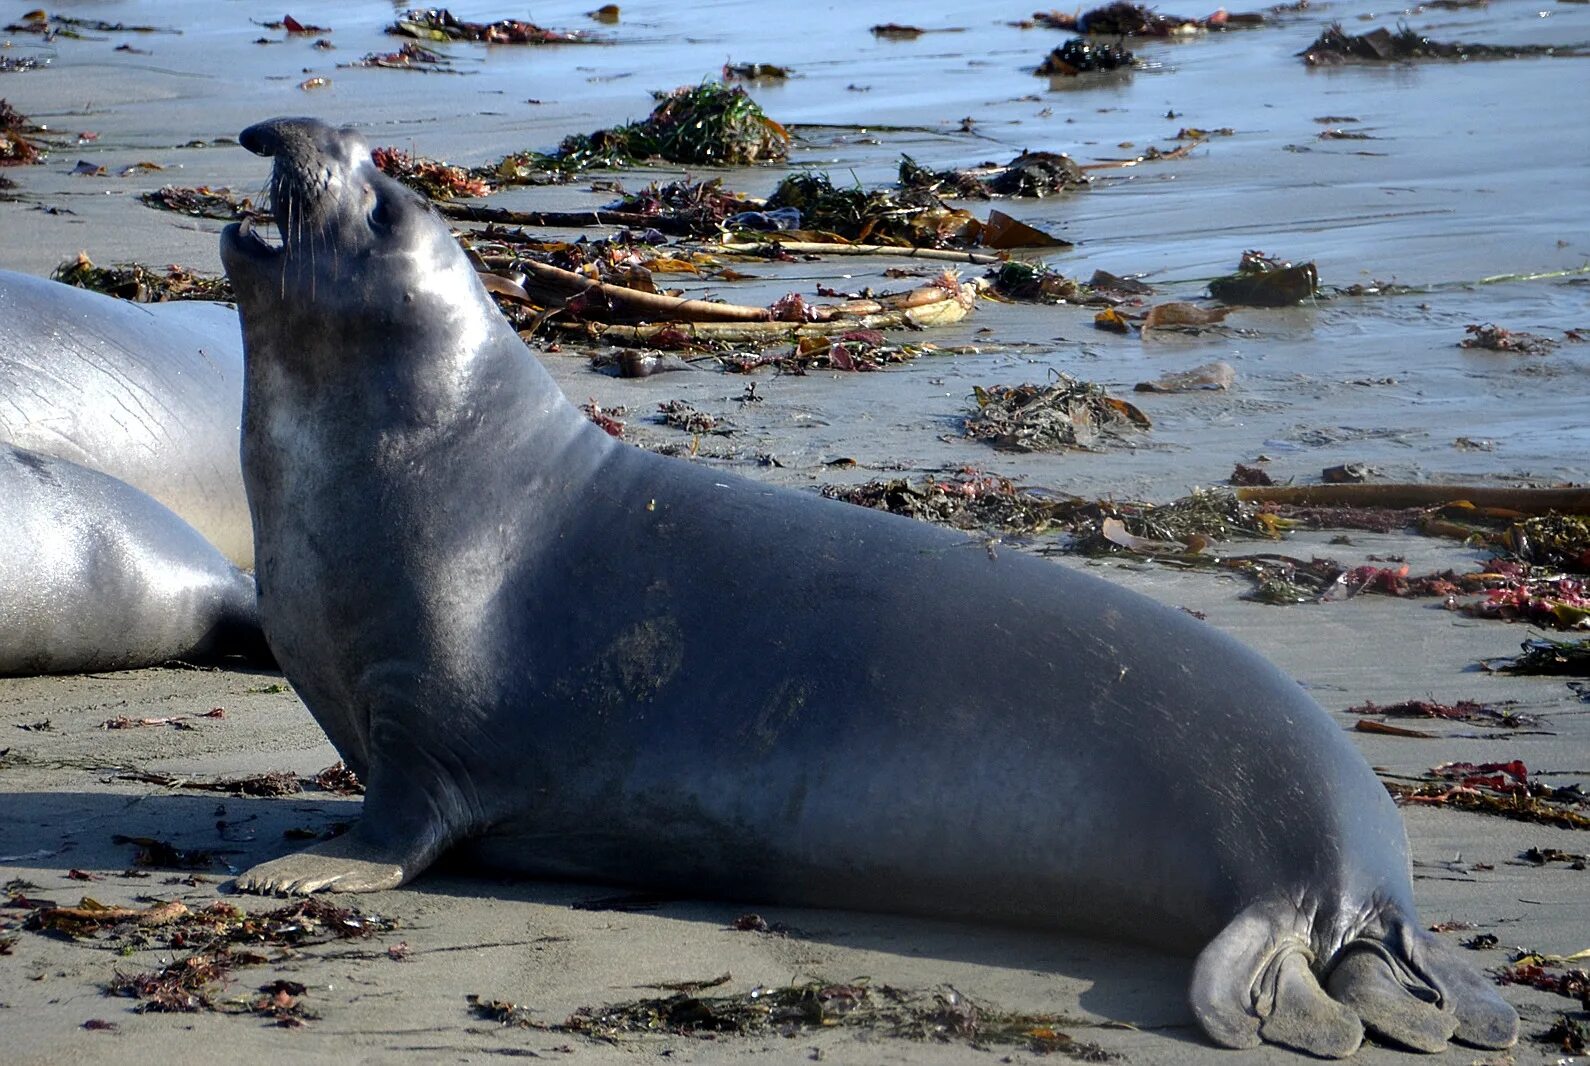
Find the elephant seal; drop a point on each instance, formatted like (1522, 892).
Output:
(95, 575)
(150, 394)
(578, 659)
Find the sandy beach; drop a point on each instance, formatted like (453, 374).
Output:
(1464, 183)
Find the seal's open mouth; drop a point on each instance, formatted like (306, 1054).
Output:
(244, 238)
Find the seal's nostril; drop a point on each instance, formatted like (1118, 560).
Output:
(261, 138)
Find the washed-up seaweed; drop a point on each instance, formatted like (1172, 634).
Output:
(1336, 46)
(202, 202)
(340, 780)
(1494, 338)
(909, 217)
(1461, 711)
(693, 208)
(15, 148)
(273, 783)
(1082, 56)
(1498, 788)
(52, 26)
(431, 178)
(410, 56)
(1040, 283)
(1264, 281)
(1568, 1034)
(968, 500)
(681, 415)
(711, 124)
(850, 351)
(143, 284)
(440, 24)
(1126, 19)
(754, 72)
(1035, 174)
(1528, 501)
(1543, 655)
(1552, 540)
(1549, 973)
(944, 1015)
(1064, 413)
(228, 938)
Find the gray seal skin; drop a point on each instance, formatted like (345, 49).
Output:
(95, 575)
(576, 659)
(150, 394)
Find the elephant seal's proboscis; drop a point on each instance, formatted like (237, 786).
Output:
(582, 660)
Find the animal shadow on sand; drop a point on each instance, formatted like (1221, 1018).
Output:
(54, 832)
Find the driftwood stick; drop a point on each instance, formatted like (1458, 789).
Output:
(1524, 500)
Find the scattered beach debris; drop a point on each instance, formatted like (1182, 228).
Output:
(1494, 338)
(968, 499)
(15, 148)
(1035, 174)
(609, 419)
(52, 27)
(1082, 56)
(440, 24)
(1336, 46)
(143, 284)
(1131, 19)
(754, 72)
(681, 415)
(339, 779)
(1549, 973)
(852, 350)
(1462, 711)
(176, 721)
(710, 124)
(410, 56)
(202, 202)
(294, 28)
(271, 783)
(1543, 655)
(1545, 856)
(1183, 317)
(1499, 788)
(431, 178)
(1064, 413)
(1039, 283)
(1264, 281)
(1216, 376)
(1570, 1035)
(232, 939)
(944, 1015)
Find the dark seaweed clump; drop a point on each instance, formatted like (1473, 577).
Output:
(1082, 56)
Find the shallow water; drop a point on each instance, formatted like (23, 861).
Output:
(1478, 169)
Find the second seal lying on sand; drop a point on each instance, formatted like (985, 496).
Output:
(579, 659)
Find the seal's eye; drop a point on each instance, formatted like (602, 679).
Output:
(382, 216)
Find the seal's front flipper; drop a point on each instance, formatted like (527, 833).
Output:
(1253, 984)
(1484, 1018)
(1392, 999)
(344, 864)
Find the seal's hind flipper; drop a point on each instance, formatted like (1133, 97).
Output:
(1484, 1018)
(1391, 998)
(1253, 984)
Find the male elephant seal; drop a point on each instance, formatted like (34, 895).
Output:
(583, 660)
(95, 575)
(148, 394)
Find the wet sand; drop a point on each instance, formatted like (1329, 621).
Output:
(1472, 183)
